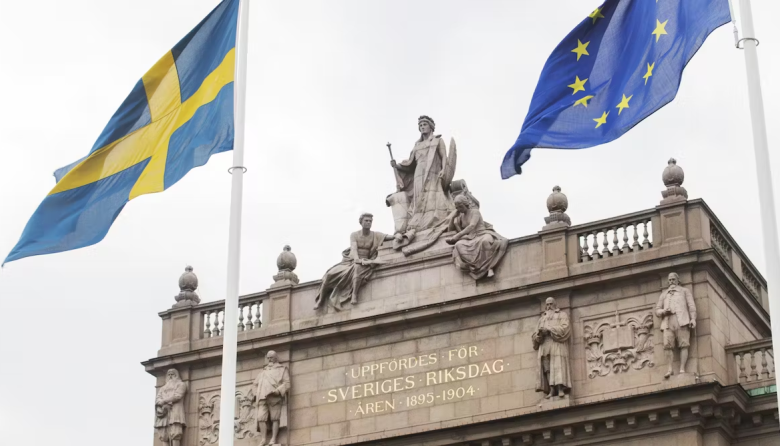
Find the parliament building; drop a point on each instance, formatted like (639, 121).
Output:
(650, 328)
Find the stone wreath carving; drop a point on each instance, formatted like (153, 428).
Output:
(615, 347)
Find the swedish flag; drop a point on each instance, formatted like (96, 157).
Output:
(175, 118)
(623, 62)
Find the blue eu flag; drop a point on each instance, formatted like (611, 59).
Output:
(620, 64)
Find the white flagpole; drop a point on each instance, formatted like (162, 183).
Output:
(230, 335)
(763, 172)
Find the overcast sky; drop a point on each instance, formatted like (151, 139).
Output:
(330, 82)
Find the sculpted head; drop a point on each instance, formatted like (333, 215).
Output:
(462, 203)
(366, 219)
(270, 357)
(550, 305)
(674, 279)
(172, 375)
(425, 124)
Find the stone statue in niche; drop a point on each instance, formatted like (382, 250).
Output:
(614, 347)
(169, 422)
(551, 341)
(270, 392)
(677, 311)
(478, 248)
(342, 282)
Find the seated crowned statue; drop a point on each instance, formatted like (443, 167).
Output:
(342, 281)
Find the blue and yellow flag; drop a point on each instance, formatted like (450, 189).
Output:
(623, 62)
(176, 117)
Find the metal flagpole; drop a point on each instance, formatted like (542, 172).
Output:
(763, 172)
(230, 321)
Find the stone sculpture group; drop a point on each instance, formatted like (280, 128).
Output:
(427, 204)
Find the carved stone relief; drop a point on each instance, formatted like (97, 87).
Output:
(620, 343)
(208, 419)
(244, 424)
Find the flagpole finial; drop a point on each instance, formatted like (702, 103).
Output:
(557, 203)
(673, 177)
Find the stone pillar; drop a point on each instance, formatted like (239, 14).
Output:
(276, 308)
(179, 328)
(554, 249)
(672, 234)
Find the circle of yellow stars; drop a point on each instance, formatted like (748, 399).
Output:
(582, 50)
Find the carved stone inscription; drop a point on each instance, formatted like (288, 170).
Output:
(619, 343)
(428, 379)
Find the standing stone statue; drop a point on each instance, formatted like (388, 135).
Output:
(677, 311)
(343, 280)
(478, 248)
(551, 340)
(271, 387)
(169, 409)
(425, 179)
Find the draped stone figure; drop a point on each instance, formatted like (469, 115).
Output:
(169, 420)
(425, 179)
(270, 390)
(342, 281)
(677, 311)
(478, 248)
(551, 340)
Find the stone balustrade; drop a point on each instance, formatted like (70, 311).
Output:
(615, 237)
(213, 316)
(752, 363)
(680, 229)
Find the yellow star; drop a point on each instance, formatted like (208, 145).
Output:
(649, 72)
(602, 119)
(623, 104)
(582, 48)
(578, 85)
(659, 29)
(583, 101)
(595, 15)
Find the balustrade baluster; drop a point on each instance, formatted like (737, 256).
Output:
(584, 256)
(595, 253)
(240, 317)
(605, 252)
(207, 325)
(646, 235)
(615, 249)
(635, 245)
(764, 365)
(741, 365)
(258, 322)
(753, 371)
(626, 248)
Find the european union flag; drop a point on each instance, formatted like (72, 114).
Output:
(176, 117)
(620, 64)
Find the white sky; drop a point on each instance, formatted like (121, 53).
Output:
(330, 82)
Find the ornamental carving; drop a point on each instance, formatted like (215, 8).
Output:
(208, 417)
(616, 346)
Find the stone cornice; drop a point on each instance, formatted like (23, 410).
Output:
(706, 406)
(265, 338)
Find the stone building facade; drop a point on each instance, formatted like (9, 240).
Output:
(430, 356)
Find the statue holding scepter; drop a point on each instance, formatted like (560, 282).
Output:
(425, 180)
